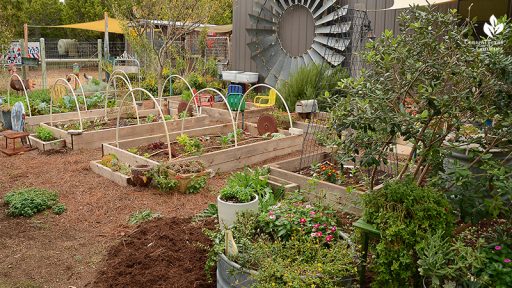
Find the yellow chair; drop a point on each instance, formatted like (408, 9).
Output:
(259, 101)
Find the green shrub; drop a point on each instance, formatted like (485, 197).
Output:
(242, 186)
(161, 179)
(310, 82)
(59, 209)
(142, 216)
(29, 201)
(406, 215)
(196, 184)
(191, 145)
(44, 134)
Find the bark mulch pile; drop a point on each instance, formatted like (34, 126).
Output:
(166, 252)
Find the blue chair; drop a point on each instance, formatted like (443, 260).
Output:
(232, 89)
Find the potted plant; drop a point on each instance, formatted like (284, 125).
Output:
(242, 193)
(185, 177)
(293, 237)
(140, 175)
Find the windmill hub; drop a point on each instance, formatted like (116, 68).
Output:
(296, 30)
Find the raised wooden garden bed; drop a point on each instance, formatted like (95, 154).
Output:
(94, 139)
(49, 145)
(223, 160)
(340, 196)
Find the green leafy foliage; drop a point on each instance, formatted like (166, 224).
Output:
(422, 85)
(209, 212)
(406, 215)
(242, 186)
(310, 82)
(191, 146)
(142, 216)
(296, 217)
(29, 201)
(196, 184)
(498, 266)
(59, 209)
(44, 134)
(162, 179)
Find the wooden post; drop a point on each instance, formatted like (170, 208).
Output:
(107, 52)
(99, 60)
(24, 50)
(42, 55)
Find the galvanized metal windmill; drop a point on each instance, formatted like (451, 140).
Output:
(338, 31)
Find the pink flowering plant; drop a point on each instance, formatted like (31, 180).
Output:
(499, 264)
(296, 217)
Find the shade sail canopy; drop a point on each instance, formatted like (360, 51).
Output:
(217, 28)
(114, 26)
(401, 4)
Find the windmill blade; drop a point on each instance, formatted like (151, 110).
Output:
(286, 68)
(276, 6)
(307, 4)
(262, 43)
(285, 5)
(257, 20)
(307, 59)
(260, 32)
(330, 55)
(337, 43)
(260, 9)
(294, 66)
(317, 58)
(327, 4)
(337, 28)
(314, 6)
(301, 62)
(332, 16)
(273, 75)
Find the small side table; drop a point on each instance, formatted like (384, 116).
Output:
(367, 231)
(13, 135)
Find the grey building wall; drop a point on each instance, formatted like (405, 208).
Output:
(241, 56)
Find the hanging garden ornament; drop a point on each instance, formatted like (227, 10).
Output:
(289, 34)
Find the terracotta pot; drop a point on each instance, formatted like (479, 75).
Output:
(139, 177)
(185, 179)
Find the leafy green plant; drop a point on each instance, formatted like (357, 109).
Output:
(161, 179)
(326, 171)
(59, 209)
(296, 217)
(444, 262)
(142, 216)
(196, 184)
(29, 201)
(421, 85)
(191, 145)
(242, 186)
(44, 134)
(498, 266)
(310, 82)
(210, 212)
(406, 215)
(150, 118)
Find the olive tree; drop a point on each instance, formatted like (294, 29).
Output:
(420, 85)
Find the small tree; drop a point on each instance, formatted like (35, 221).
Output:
(421, 85)
(174, 20)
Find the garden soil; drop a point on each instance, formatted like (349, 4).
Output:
(165, 252)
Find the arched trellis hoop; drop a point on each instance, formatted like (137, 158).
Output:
(130, 88)
(277, 92)
(159, 110)
(122, 73)
(66, 83)
(24, 91)
(225, 101)
(188, 85)
(79, 85)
